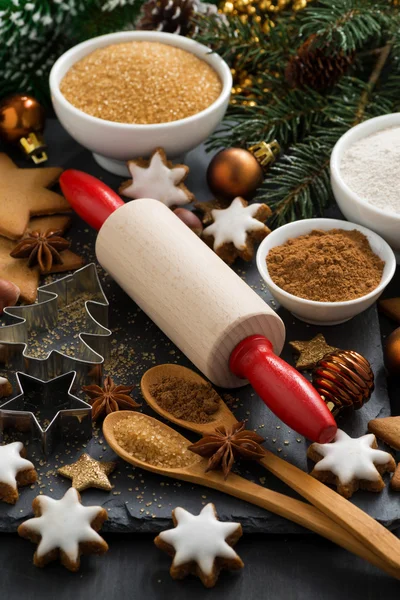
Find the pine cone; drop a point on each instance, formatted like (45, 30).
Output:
(170, 16)
(314, 67)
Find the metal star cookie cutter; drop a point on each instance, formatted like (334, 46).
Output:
(46, 412)
(20, 341)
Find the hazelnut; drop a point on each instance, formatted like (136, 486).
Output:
(190, 219)
(5, 388)
(9, 294)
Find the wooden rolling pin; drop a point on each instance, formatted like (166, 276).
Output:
(208, 311)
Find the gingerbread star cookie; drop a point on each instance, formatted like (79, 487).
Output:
(65, 529)
(15, 471)
(24, 194)
(88, 472)
(200, 544)
(236, 229)
(18, 271)
(310, 352)
(351, 463)
(157, 178)
(387, 429)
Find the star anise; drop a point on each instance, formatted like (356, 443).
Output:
(226, 444)
(41, 249)
(109, 398)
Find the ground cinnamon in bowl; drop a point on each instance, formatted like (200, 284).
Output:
(326, 266)
(185, 399)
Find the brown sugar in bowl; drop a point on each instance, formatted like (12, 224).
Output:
(112, 142)
(317, 312)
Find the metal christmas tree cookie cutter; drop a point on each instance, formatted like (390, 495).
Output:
(92, 343)
(45, 413)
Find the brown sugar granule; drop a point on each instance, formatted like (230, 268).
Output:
(153, 443)
(187, 400)
(141, 82)
(326, 266)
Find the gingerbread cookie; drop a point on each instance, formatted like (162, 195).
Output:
(25, 277)
(200, 544)
(351, 463)
(64, 529)
(387, 429)
(24, 194)
(15, 471)
(236, 229)
(157, 178)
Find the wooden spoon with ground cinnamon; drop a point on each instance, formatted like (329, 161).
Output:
(343, 523)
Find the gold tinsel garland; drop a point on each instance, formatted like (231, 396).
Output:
(262, 12)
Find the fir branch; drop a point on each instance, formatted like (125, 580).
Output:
(285, 118)
(346, 24)
(297, 186)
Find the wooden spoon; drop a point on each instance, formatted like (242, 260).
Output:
(299, 512)
(371, 534)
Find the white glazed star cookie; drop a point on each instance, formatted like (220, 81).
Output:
(157, 178)
(235, 229)
(14, 470)
(200, 544)
(351, 463)
(64, 528)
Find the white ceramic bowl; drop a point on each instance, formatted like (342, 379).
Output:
(112, 143)
(354, 208)
(323, 313)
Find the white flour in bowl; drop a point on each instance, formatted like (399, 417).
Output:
(371, 168)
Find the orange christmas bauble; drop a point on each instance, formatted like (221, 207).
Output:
(234, 172)
(20, 115)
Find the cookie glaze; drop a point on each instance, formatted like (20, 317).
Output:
(200, 538)
(232, 224)
(11, 462)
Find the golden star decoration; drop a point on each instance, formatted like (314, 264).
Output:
(311, 351)
(88, 472)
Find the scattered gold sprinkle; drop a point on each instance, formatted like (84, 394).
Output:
(141, 82)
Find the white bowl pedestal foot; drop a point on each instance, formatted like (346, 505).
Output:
(323, 323)
(118, 167)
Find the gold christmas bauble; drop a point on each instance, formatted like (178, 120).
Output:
(392, 353)
(234, 172)
(19, 116)
(343, 378)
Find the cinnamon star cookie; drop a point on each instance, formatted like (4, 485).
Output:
(24, 194)
(236, 229)
(65, 529)
(157, 178)
(200, 544)
(27, 278)
(351, 463)
(15, 471)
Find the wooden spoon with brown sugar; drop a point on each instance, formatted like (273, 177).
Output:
(332, 516)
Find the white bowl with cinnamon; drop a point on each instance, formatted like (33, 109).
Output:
(365, 176)
(312, 266)
(124, 94)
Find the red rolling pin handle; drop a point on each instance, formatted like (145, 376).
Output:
(283, 389)
(287, 393)
(92, 199)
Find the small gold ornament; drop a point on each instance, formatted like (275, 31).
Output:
(87, 472)
(311, 351)
(343, 378)
(22, 121)
(392, 353)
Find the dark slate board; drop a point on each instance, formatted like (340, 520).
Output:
(142, 502)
